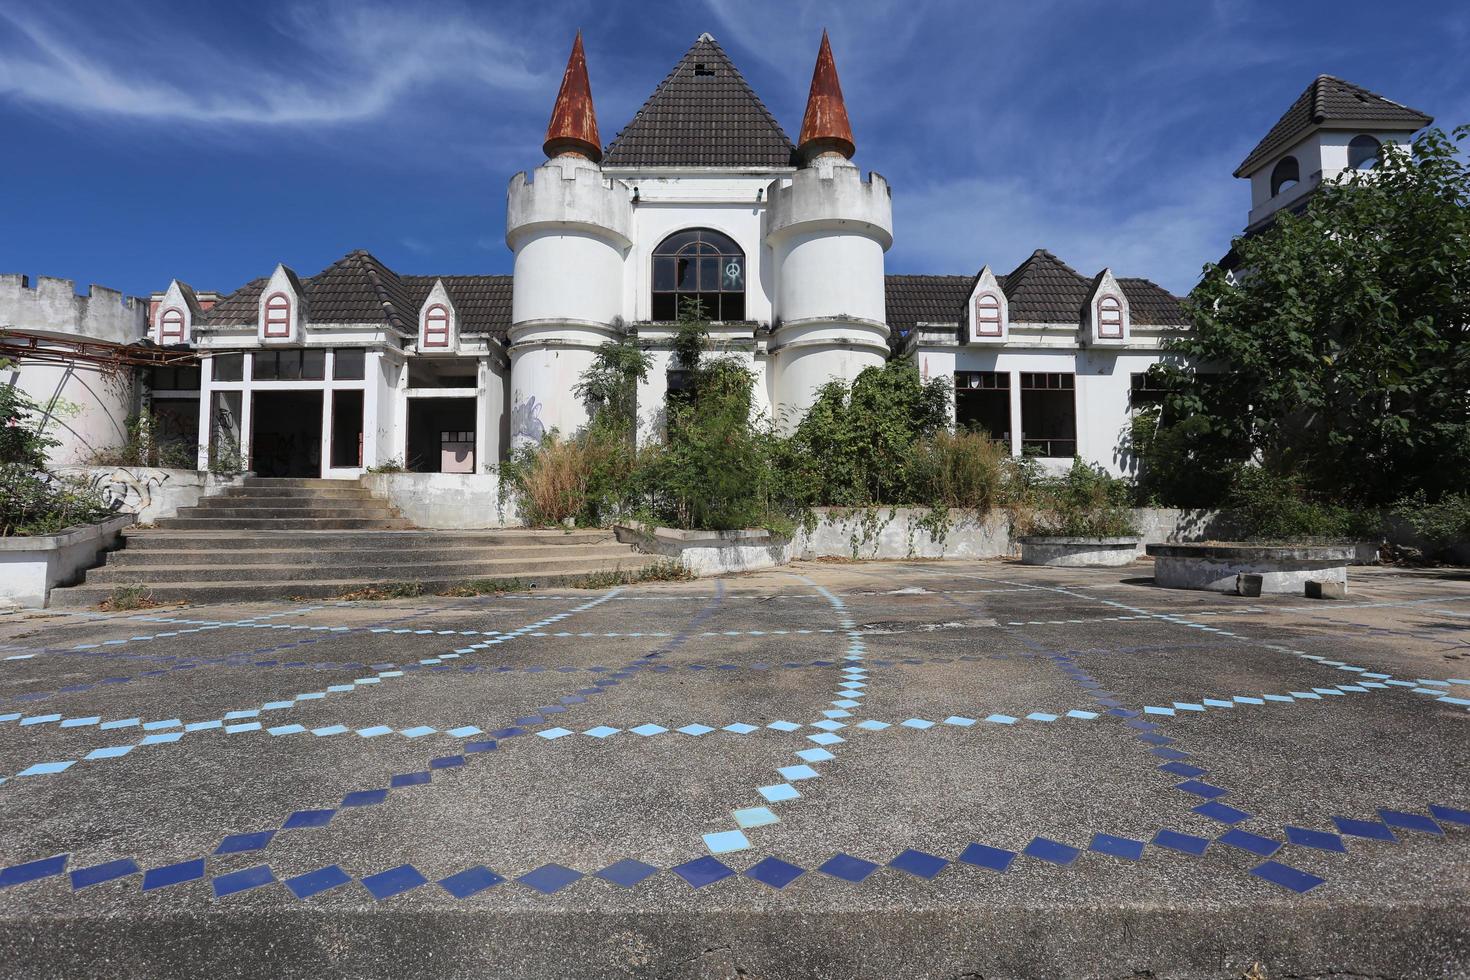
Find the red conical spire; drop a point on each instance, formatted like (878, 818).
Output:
(825, 128)
(573, 126)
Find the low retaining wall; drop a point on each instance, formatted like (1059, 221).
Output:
(447, 501)
(149, 492)
(1215, 568)
(31, 566)
(709, 552)
(903, 532)
(1078, 552)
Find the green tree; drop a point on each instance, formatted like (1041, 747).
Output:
(1342, 354)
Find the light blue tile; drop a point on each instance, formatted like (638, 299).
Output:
(419, 731)
(755, 816)
(1279, 698)
(828, 725)
(1216, 703)
(199, 726)
(847, 703)
(648, 729)
(161, 738)
(1329, 690)
(153, 726)
(779, 793)
(1352, 687)
(244, 726)
(826, 738)
(1305, 696)
(784, 726)
(1243, 699)
(740, 728)
(815, 755)
(959, 721)
(1084, 715)
(918, 723)
(80, 722)
(601, 731)
(374, 731)
(696, 729)
(725, 842)
(796, 773)
(1152, 710)
(391, 673)
(312, 696)
(464, 731)
(14, 714)
(111, 752)
(330, 730)
(286, 730)
(1040, 716)
(277, 705)
(251, 713)
(340, 688)
(1187, 706)
(834, 713)
(552, 733)
(1001, 719)
(874, 726)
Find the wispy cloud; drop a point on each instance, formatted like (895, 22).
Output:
(329, 64)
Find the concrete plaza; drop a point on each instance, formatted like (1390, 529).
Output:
(933, 769)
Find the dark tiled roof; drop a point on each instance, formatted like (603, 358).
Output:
(703, 114)
(1326, 101)
(1151, 304)
(912, 300)
(359, 289)
(1044, 289)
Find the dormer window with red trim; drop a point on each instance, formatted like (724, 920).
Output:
(278, 316)
(1110, 318)
(987, 315)
(171, 326)
(436, 327)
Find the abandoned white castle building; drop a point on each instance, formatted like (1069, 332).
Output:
(701, 195)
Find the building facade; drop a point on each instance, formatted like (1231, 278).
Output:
(702, 197)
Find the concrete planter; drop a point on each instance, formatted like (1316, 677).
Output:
(901, 533)
(30, 567)
(449, 501)
(709, 552)
(1284, 569)
(151, 492)
(1078, 552)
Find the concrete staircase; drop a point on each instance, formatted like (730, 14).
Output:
(273, 539)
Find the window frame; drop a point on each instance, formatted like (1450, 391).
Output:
(706, 243)
(1109, 313)
(987, 303)
(269, 316)
(1359, 141)
(171, 317)
(1279, 177)
(436, 327)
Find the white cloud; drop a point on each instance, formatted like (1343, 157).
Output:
(335, 64)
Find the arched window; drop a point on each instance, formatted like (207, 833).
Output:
(1363, 153)
(1284, 175)
(436, 326)
(171, 326)
(702, 265)
(278, 316)
(1110, 318)
(987, 315)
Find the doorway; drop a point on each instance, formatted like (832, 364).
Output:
(286, 433)
(441, 435)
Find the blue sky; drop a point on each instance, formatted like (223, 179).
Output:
(150, 139)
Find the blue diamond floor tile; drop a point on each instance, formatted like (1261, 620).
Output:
(470, 881)
(308, 818)
(702, 871)
(1370, 829)
(1319, 839)
(98, 873)
(1216, 810)
(626, 872)
(364, 797)
(549, 878)
(318, 881)
(1287, 877)
(919, 863)
(1122, 847)
(1400, 820)
(239, 843)
(1183, 843)
(1045, 849)
(1450, 814)
(848, 868)
(239, 881)
(394, 881)
(32, 870)
(774, 872)
(409, 779)
(1247, 841)
(173, 874)
(985, 856)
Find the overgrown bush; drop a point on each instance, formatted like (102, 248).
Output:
(1087, 502)
(1265, 506)
(964, 469)
(33, 501)
(145, 447)
(1442, 526)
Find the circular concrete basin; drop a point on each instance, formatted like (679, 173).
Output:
(1216, 566)
(1078, 552)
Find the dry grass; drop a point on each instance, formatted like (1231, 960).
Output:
(127, 597)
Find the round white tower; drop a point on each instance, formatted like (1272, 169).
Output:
(570, 229)
(828, 229)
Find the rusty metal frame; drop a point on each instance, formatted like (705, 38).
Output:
(22, 345)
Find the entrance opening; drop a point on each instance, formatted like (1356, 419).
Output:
(346, 429)
(286, 433)
(441, 435)
(1049, 415)
(982, 403)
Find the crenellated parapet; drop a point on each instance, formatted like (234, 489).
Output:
(831, 194)
(52, 305)
(569, 193)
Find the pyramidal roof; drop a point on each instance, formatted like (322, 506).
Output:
(704, 114)
(1326, 101)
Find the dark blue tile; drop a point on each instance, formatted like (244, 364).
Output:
(318, 881)
(394, 881)
(308, 818)
(239, 843)
(1154, 738)
(551, 709)
(1184, 843)
(572, 699)
(98, 873)
(1319, 839)
(470, 881)
(1181, 769)
(173, 874)
(364, 797)
(1045, 849)
(1410, 821)
(1450, 814)
(985, 856)
(239, 881)
(1287, 877)
(1198, 788)
(919, 864)
(549, 878)
(1123, 847)
(504, 733)
(702, 871)
(626, 872)
(483, 746)
(528, 720)
(1216, 810)
(1141, 724)
(32, 870)
(1168, 753)
(848, 868)
(1371, 829)
(1247, 841)
(775, 872)
(446, 762)
(409, 779)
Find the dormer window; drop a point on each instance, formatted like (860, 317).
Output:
(987, 315)
(436, 327)
(278, 316)
(1110, 318)
(1363, 153)
(1287, 173)
(171, 326)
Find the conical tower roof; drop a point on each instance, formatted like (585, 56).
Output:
(573, 126)
(825, 128)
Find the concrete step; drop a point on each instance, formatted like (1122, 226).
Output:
(262, 591)
(346, 557)
(296, 482)
(380, 568)
(204, 538)
(282, 523)
(281, 498)
(263, 513)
